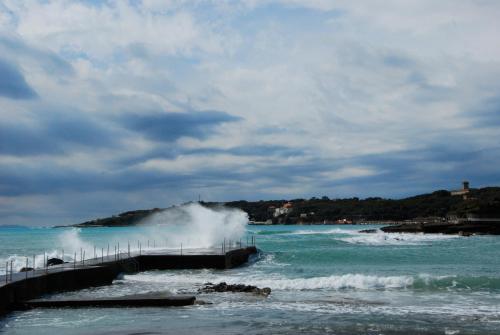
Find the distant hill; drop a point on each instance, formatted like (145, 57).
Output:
(439, 204)
(123, 219)
(483, 202)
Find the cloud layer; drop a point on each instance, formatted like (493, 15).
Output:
(110, 106)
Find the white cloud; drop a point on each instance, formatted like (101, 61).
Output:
(337, 81)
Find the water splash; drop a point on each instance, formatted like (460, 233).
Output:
(196, 226)
(192, 225)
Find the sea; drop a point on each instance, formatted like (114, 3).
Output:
(324, 280)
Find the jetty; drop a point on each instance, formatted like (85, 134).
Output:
(18, 289)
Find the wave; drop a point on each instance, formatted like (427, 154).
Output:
(19, 261)
(372, 282)
(454, 282)
(378, 238)
(422, 282)
(70, 243)
(381, 238)
(323, 232)
(336, 282)
(270, 232)
(195, 226)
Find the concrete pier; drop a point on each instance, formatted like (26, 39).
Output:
(20, 287)
(111, 302)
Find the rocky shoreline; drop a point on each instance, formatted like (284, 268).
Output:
(223, 287)
(462, 228)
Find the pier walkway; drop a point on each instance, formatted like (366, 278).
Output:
(103, 268)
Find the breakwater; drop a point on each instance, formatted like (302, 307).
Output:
(16, 288)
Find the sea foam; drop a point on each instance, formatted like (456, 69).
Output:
(381, 238)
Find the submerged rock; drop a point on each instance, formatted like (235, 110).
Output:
(223, 287)
(368, 231)
(54, 261)
(26, 269)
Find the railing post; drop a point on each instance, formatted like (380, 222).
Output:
(26, 269)
(102, 255)
(11, 262)
(34, 266)
(83, 259)
(74, 261)
(6, 272)
(128, 249)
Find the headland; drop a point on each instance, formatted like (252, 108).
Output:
(467, 210)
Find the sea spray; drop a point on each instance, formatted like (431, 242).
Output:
(196, 226)
(71, 242)
(189, 226)
(192, 225)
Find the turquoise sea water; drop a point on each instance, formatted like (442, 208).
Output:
(324, 279)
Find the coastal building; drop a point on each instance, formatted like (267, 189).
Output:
(284, 210)
(343, 221)
(463, 192)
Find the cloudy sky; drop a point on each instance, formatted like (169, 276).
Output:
(110, 106)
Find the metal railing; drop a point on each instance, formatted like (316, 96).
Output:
(31, 270)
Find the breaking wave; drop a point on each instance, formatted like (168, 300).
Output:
(423, 282)
(192, 226)
(381, 238)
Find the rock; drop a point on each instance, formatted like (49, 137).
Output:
(26, 269)
(368, 231)
(464, 233)
(265, 291)
(223, 287)
(54, 261)
(463, 229)
(202, 302)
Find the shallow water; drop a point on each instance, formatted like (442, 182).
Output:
(324, 279)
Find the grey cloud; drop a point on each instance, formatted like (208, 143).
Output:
(487, 113)
(12, 83)
(171, 151)
(400, 61)
(168, 127)
(54, 133)
(50, 62)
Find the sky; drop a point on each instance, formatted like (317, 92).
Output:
(108, 106)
